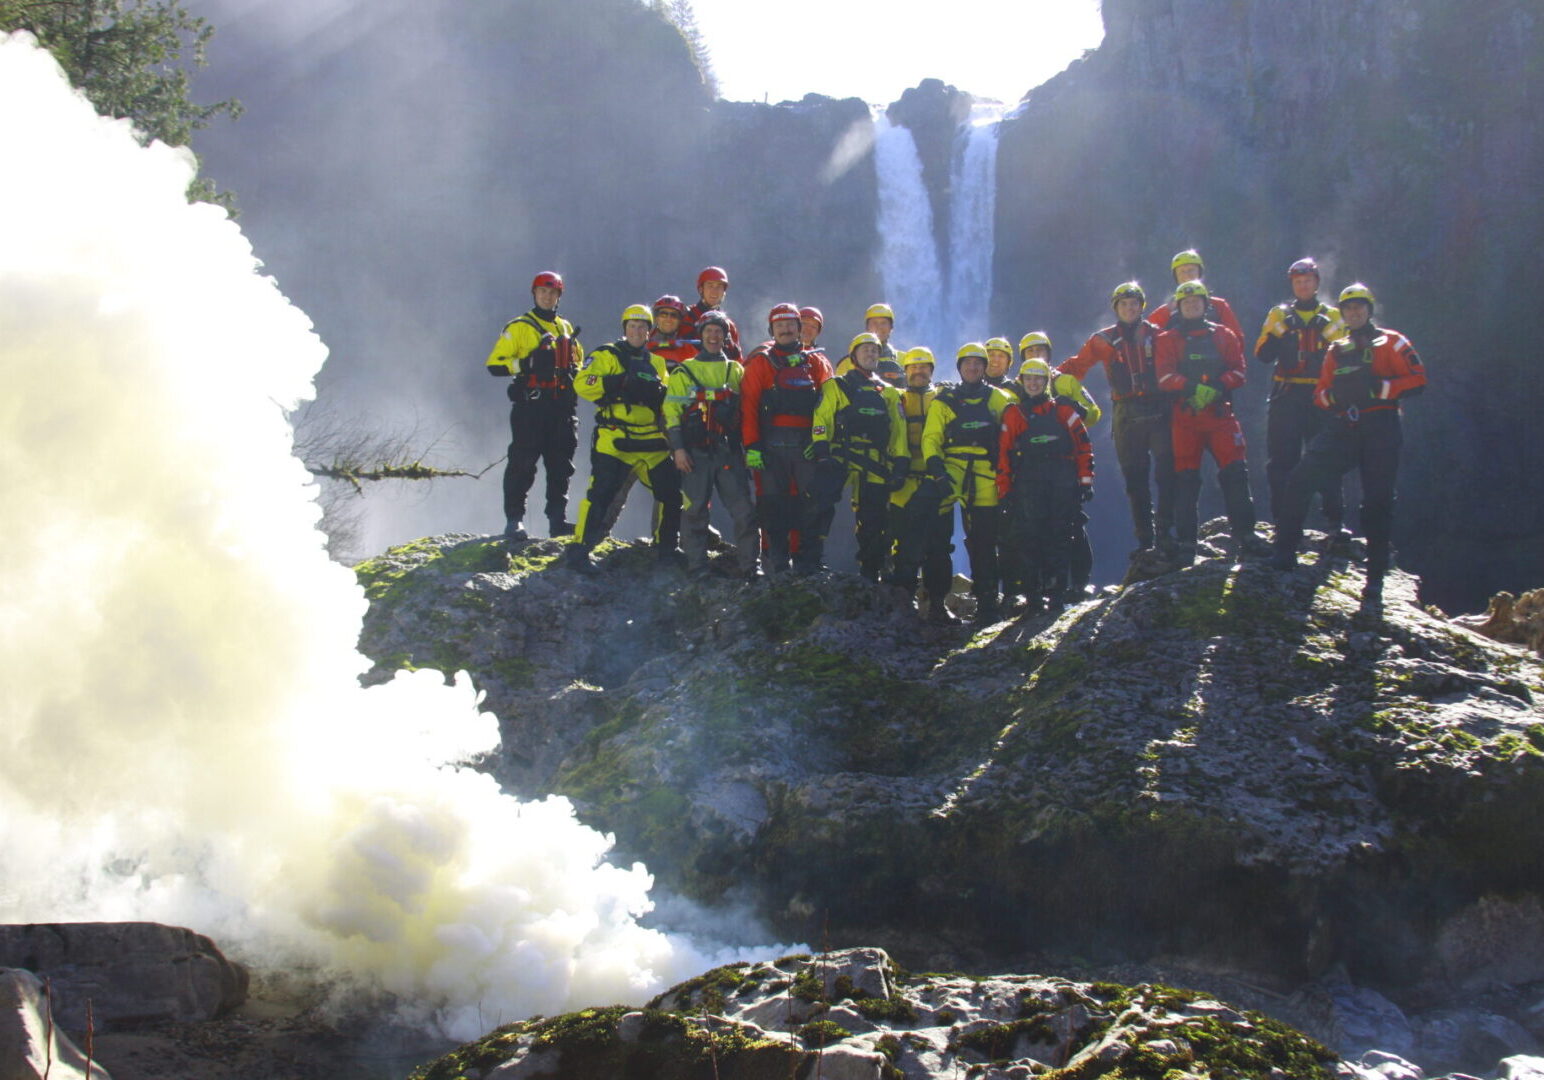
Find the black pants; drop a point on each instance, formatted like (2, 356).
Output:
(787, 501)
(983, 529)
(1370, 445)
(1144, 447)
(545, 430)
(922, 536)
(1291, 423)
(1039, 527)
(607, 474)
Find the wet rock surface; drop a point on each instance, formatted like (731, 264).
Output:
(1223, 761)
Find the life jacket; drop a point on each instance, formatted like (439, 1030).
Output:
(1134, 375)
(1354, 382)
(793, 391)
(914, 405)
(1309, 330)
(973, 424)
(865, 419)
(550, 367)
(711, 418)
(1202, 360)
(1044, 436)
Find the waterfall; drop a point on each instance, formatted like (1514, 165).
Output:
(908, 254)
(971, 220)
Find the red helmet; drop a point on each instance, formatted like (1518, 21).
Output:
(1303, 266)
(712, 273)
(670, 302)
(782, 311)
(550, 279)
(813, 313)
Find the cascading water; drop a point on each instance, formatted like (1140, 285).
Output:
(971, 224)
(908, 253)
(182, 734)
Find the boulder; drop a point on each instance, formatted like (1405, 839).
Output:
(32, 1044)
(128, 972)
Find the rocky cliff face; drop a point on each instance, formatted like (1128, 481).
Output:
(1221, 763)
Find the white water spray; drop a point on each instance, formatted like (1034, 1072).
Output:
(908, 257)
(182, 736)
(972, 224)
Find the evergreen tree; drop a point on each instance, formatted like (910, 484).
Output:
(679, 14)
(127, 57)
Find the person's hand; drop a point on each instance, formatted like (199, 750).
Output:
(753, 460)
(683, 461)
(1203, 395)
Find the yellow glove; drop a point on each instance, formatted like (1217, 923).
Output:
(1276, 322)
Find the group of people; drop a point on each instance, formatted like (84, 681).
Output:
(778, 432)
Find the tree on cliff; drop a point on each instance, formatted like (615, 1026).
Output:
(679, 14)
(127, 57)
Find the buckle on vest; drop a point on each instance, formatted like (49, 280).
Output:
(1353, 414)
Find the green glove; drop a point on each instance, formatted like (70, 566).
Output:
(753, 459)
(1203, 396)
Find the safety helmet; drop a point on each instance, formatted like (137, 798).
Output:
(1188, 257)
(1357, 291)
(864, 338)
(879, 311)
(1128, 289)
(715, 317)
(921, 354)
(712, 273)
(1303, 266)
(549, 279)
(1001, 344)
(1190, 288)
(1034, 337)
(813, 313)
(1035, 366)
(670, 302)
(969, 349)
(636, 311)
(782, 311)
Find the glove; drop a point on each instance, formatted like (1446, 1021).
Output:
(1276, 322)
(753, 460)
(817, 450)
(937, 470)
(900, 472)
(1086, 493)
(931, 490)
(1203, 395)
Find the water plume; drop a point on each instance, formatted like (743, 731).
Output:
(182, 736)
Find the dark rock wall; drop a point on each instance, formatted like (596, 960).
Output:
(1391, 141)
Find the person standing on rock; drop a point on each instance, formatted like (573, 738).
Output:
(540, 351)
(666, 340)
(1363, 380)
(702, 425)
(1201, 363)
(1036, 345)
(778, 395)
(627, 384)
(712, 287)
(1045, 473)
(959, 447)
(1187, 266)
(860, 435)
(1293, 339)
(811, 323)
(879, 320)
(921, 520)
(1144, 446)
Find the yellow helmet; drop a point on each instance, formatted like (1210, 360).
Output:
(637, 311)
(1035, 366)
(1357, 291)
(969, 349)
(879, 311)
(1188, 257)
(1034, 337)
(919, 355)
(1190, 288)
(864, 338)
(1128, 289)
(1001, 344)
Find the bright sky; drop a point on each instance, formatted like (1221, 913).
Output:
(858, 48)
